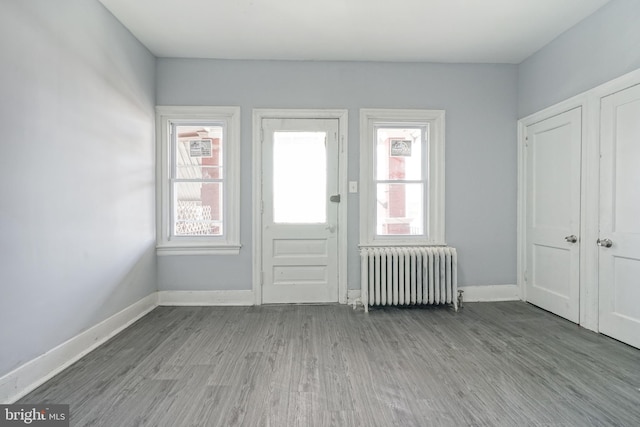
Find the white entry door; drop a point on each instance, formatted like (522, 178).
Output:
(300, 210)
(553, 150)
(619, 252)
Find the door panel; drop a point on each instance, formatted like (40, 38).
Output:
(300, 223)
(619, 265)
(551, 274)
(553, 149)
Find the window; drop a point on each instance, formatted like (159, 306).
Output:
(402, 177)
(198, 176)
(296, 155)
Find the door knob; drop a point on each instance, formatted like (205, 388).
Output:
(335, 198)
(605, 243)
(571, 239)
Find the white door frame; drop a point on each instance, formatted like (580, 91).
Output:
(267, 113)
(590, 190)
(588, 300)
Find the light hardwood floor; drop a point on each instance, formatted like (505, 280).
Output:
(490, 364)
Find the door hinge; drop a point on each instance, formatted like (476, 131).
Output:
(261, 134)
(261, 206)
(261, 278)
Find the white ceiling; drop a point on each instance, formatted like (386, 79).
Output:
(485, 31)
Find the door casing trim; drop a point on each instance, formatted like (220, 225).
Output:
(586, 316)
(269, 113)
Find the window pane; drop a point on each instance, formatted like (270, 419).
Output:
(199, 151)
(197, 209)
(299, 177)
(400, 209)
(399, 153)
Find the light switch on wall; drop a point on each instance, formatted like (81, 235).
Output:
(353, 186)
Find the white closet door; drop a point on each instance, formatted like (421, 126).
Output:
(619, 257)
(552, 180)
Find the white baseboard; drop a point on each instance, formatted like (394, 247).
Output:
(471, 294)
(490, 293)
(34, 373)
(206, 298)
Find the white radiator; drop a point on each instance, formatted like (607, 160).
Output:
(409, 276)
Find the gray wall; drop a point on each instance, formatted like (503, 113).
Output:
(76, 173)
(602, 47)
(480, 103)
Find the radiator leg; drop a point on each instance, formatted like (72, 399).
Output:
(361, 301)
(460, 292)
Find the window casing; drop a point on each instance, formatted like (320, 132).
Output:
(198, 180)
(401, 177)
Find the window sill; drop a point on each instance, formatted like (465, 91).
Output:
(394, 243)
(198, 250)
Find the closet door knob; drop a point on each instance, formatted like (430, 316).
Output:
(605, 243)
(571, 239)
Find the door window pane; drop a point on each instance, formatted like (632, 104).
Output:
(198, 209)
(399, 153)
(299, 177)
(400, 209)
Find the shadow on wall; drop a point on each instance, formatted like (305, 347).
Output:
(139, 281)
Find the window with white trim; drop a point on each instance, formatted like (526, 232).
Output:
(198, 180)
(401, 177)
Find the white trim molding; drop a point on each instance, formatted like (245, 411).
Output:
(34, 373)
(206, 298)
(267, 113)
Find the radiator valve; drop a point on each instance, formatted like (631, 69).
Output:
(460, 292)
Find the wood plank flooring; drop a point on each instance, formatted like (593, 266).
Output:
(490, 364)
